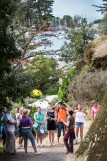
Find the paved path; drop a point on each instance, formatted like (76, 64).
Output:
(55, 153)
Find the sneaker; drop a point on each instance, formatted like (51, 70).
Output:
(41, 145)
(37, 153)
(20, 146)
(67, 152)
(53, 144)
(27, 154)
(76, 141)
(13, 153)
(38, 145)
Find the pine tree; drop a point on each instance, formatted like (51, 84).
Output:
(8, 50)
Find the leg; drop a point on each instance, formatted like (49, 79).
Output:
(77, 131)
(52, 133)
(10, 143)
(37, 137)
(71, 140)
(40, 136)
(66, 137)
(81, 132)
(63, 128)
(25, 137)
(49, 135)
(59, 131)
(32, 139)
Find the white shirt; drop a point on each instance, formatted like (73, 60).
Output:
(79, 117)
(10, 128)
(18, 119)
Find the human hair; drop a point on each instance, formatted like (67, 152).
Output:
(70, 112)
(60, 103)
(25, 111)
(38, 107)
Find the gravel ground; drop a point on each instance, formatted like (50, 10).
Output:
(55, 153)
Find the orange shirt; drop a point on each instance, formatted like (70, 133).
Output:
(61, 115)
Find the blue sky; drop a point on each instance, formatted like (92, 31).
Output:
(77, 7)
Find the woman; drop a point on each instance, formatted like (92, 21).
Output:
(39, 120)
(19, 131)
(26, 126)
(51, 125)
(80, 114)
(94, 109)
(69, 133)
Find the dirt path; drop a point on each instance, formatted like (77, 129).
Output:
(55, 153)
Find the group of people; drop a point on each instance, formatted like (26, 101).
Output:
(62, 117)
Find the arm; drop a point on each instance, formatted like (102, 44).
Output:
(17, 115)
(36, 119)
(30, 123)
(67, 105)
(46, 116)
(9, 120)
(11, 123)
(92, 114)
(84, 111)
(67, 124)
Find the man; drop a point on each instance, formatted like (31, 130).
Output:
(61, 117)
(10, 130)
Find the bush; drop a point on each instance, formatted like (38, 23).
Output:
(36, 93)
(87, 87)
(2, 150)
(53, 90)
(63, 90)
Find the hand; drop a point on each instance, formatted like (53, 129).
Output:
(15, 122)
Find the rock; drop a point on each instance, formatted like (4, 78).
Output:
(96, 53)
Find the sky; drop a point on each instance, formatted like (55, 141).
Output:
(83, 8)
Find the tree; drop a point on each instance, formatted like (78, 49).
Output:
(103, 22)
(79, 38)
(102, 7)
(40, 74)
(8, 50)
(15, 18)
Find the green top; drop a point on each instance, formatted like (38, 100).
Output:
(40, 118)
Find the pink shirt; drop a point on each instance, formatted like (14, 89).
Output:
(95, 109)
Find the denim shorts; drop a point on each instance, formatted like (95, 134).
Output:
(79, 124)
(19, 131)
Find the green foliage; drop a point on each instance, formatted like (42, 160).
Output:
(15, 18)
(8, 50)
(40, 74)
(78, 38)
(32, 111)
(63, 89)
(103, 22)
(2, 150)
(84, 70)
(52, 89)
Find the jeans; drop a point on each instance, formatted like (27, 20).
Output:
(68, 139)
(27, 134)
(60, 127)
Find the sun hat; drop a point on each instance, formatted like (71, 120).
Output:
(42, 130)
